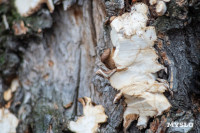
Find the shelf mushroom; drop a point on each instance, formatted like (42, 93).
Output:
(136, 64)
(92, 117)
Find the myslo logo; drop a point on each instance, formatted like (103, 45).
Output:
(180, 124)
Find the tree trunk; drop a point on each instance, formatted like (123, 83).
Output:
(57, 65)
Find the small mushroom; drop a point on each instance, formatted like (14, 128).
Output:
(7, 95)
(14, 84)
(13, 87)
(161, 8)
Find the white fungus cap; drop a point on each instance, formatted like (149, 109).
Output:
(27, 7)
(8, 121)
(92, 117)
(161, 8)
(145, 106)
(152, 2)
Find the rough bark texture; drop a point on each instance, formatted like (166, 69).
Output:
(58, 65)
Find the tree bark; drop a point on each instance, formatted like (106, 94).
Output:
(57, 66)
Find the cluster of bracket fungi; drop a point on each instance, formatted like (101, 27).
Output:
(133, 64)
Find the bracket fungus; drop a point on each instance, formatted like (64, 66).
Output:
(136, 65)
(27, 7)
(8, 122)
(93, 115)
(161, 7)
